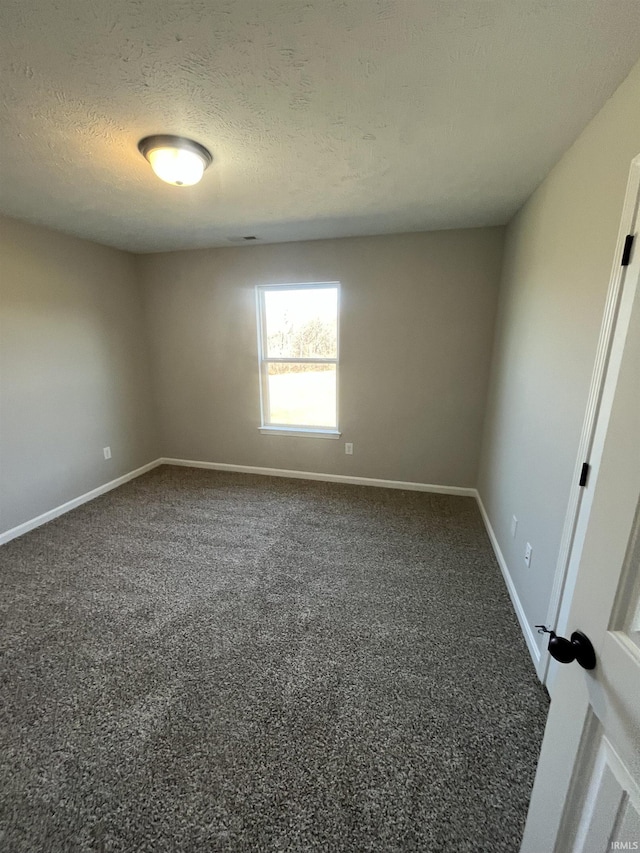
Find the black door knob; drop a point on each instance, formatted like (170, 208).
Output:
(578, 648)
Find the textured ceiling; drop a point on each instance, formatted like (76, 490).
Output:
(324, 117)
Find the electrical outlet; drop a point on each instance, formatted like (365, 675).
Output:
(107, 452)
(514, 526)
(348, 448)
(527, 554)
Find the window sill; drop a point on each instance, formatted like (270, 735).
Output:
(300, 432)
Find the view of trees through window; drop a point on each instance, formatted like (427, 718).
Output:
(315, 339)
(301, 326)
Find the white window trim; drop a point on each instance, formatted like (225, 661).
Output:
(298, 431)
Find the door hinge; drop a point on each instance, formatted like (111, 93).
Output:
(584, 474)
(626, 252)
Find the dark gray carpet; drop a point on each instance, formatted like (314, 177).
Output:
(203, 661)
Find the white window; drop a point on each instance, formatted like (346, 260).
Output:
(298, 354)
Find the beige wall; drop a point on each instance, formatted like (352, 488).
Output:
(73, 370)
(558, 257)
(417, 314)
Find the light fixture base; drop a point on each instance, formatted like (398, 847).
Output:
(175, 159)
(166, 140)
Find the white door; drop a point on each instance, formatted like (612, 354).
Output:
(586, 796)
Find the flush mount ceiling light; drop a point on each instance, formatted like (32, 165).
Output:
(174, 159)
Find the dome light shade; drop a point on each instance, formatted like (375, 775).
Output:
(176, 160)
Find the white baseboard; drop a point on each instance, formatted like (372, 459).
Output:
(26, 526)
(527, 630)
(327, 478)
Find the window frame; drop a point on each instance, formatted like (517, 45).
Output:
(267, 428)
